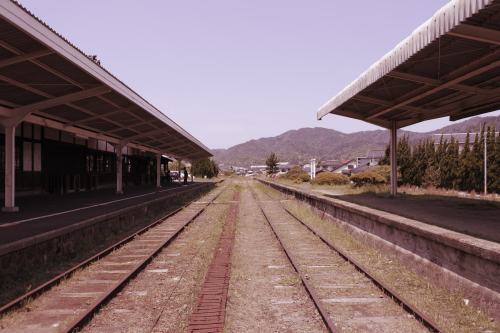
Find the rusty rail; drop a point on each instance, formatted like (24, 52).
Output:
(307, 285)
(19, 301)
(87, 315)
(429, 323)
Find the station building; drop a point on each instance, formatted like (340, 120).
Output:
(67, 124)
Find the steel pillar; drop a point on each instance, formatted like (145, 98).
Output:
(394, 166)
(119, 169)
(10, 169)
(158, 170)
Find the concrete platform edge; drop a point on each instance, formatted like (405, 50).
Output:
(454, 264)
(473, 245)
(33, 240)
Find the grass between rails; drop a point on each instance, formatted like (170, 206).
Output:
(184, 302)
(14, 284)
(449, 309)
(213, 216)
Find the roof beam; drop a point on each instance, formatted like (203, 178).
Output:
(24, 57)
(444, 85)
(22, 111)
(175, 144)
(380, 102)
(101, 116)
(129, 109)
(25, 86)
(57, 73)
(93, 115)
(147, 134)
(474, 111)
(82, 132)
(476, 33)
(435, 83)
(7, 104)
(135, 126)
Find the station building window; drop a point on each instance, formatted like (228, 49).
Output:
(54, 161)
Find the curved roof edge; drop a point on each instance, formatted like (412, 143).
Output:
(25, 20)
(445, 19)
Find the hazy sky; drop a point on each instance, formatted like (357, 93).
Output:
(232, 70)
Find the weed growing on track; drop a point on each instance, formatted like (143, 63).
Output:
(289, 281)
(216, 216)
(448, 309)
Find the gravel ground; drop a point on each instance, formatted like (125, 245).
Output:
(265, 294)
(54, 309)
(449, 309)
(353, 303)
(161, 298)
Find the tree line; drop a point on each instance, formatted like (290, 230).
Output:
(205, 168)
(445, 165)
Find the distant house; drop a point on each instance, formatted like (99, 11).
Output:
(346, 166)
(258, 168)
(329, 165)
(359, 169)
(240, 171)
(284, 166)
(336, 166)
(372, 158)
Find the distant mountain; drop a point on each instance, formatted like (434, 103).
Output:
(471, 125)
(299, 146)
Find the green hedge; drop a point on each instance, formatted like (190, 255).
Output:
(368, 177)
(297, 175)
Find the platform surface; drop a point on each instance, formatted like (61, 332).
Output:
(478, 218)
(43, 213)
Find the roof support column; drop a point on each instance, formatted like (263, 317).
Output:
(10, 169)
(158, 170)
(119, 168)
(394, 166)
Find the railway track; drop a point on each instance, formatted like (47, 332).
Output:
(344, 292)
(81, 293)
(34, 292)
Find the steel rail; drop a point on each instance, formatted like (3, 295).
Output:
(174, 289)
(393, 294)
(87, 315)
(19, 301)
(305, 282)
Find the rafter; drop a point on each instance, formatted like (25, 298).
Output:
(100, 116)
(380, 102)
(173, 144)
(22, 111)
(148, 134)
(477, 33)
(17, 114)
(93, 115)
(60, 75)
(445, 85)
(435, 83)
(24, 57)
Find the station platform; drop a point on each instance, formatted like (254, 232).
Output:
(42, 213)
(477, 218)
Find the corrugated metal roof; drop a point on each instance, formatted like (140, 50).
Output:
(26, 21)
(444, 20)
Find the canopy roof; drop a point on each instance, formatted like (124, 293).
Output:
(449, 66)
(46, 80)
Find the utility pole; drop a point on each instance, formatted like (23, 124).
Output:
(313, 168)
(485, 136)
